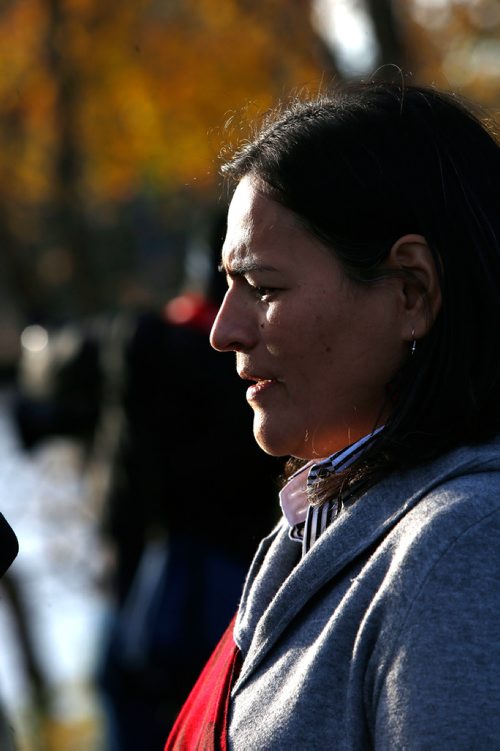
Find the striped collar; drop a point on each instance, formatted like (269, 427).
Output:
(308, 522)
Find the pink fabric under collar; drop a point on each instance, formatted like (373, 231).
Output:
(294, 500)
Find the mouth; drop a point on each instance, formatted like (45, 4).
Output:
(261, 384)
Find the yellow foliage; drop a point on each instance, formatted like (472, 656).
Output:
(151, 85)
(138, 91)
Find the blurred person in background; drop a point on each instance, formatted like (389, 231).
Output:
(363, 265)
(163, 420)
(189, 499)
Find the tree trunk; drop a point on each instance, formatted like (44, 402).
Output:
(390, 36)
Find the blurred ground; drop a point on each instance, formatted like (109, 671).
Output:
(43, 497)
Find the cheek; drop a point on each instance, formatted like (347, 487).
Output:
(304, 333)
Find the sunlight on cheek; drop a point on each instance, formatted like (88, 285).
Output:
(273, 349)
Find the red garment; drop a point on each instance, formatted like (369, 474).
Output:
(193, 311)
(202, 722)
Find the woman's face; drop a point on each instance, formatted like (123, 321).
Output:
(319, 348)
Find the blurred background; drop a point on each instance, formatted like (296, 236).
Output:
(113, 116)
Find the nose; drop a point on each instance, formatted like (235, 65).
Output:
(233, 329)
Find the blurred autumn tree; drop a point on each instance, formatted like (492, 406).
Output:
(451, 43)
(103, 102)
(455, 44)
(112, 114)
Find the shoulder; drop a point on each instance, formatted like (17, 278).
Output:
(443, 546)
(458, 513)
(442, 617)
(433, 504)
(447, 544)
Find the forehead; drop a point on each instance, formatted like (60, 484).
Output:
(255, 224)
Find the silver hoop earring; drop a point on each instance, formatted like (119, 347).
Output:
(414, 343)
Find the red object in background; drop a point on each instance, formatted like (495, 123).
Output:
(191, 310)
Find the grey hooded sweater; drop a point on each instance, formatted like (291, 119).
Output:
(386, 634)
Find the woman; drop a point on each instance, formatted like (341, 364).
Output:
(363, 304)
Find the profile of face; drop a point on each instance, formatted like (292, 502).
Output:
(319, 348)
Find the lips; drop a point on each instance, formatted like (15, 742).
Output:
(247, 376)
(262, 384)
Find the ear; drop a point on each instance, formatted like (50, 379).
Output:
(419, 284)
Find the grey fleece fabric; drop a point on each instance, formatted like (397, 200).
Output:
(386, 635)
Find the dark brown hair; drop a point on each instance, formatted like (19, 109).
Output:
(364, 166)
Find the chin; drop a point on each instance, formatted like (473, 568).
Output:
(276, 442)
(269, 447)
(300, 442)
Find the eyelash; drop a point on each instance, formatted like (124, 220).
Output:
(263, 292)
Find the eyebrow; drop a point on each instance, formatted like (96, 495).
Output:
(240, 269)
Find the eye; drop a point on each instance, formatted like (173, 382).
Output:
(264, 293)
